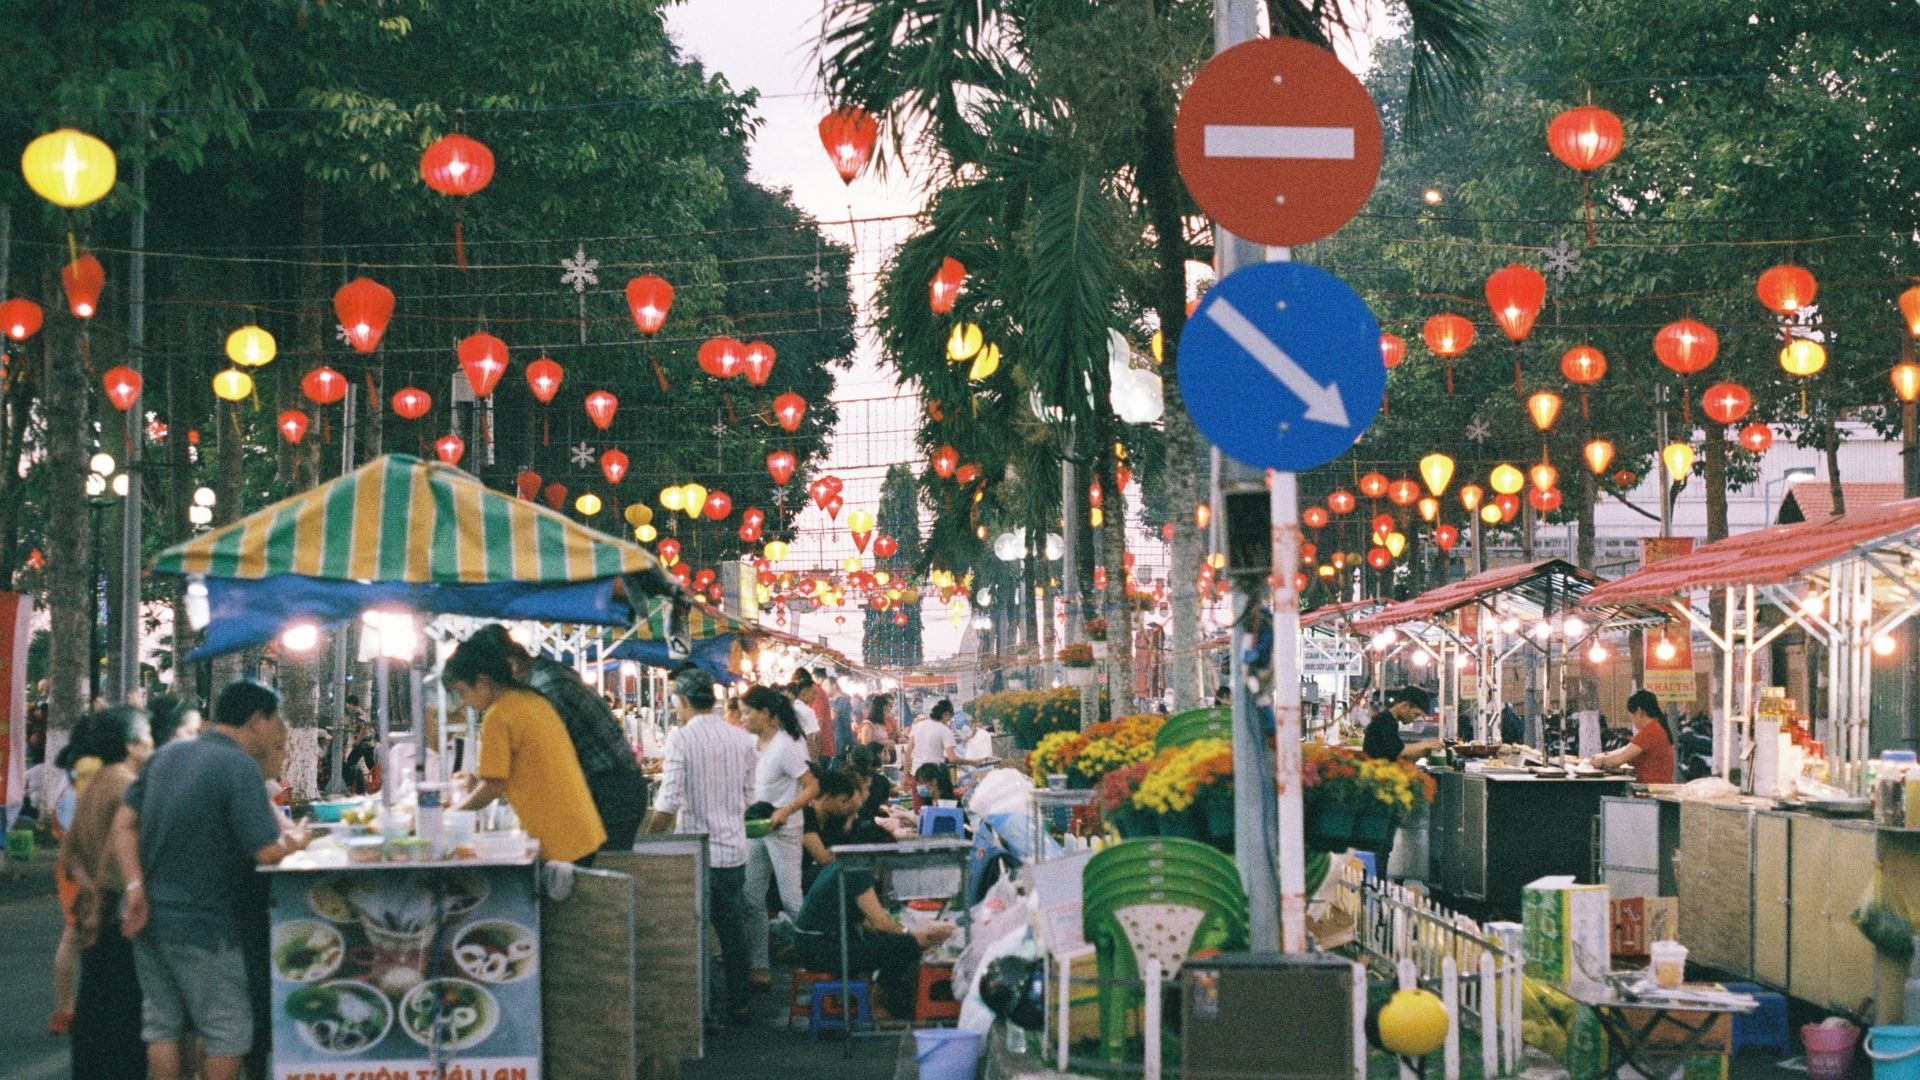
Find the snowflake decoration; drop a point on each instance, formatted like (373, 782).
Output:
(1807, 322)
(719, 429)
(780, 498)
(340, 332)
(1562, 260)
(582, 456)
(1478, 431)
(579, 270)
(817, 279)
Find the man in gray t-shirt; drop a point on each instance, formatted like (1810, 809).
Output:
(195, 823)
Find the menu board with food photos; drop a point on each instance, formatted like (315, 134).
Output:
(400, 970)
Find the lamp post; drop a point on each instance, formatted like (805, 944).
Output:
(105, 487)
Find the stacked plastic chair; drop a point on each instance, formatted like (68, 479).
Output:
(1194, 725)
(1162, 899)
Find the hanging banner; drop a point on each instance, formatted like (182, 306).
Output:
(1655, 549)
(16, 627)
(1668, 652)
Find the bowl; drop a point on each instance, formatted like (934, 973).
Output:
(758, 827)
(345, 1016)
(496, 951)
(459, 1012)
(306, 950)
(329, 811)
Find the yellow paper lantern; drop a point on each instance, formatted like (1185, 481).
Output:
(1471, 497)
(250, 346)
(672, 497)
(775, 551)
(1678, 457)
(1429, 508)
(639, 514)
(881, 577)
(1544, 476)
(1803, 358)
(1437, 470)
(851, 564)
(1544, 408)
(588, 504)
(1599, 455)
(963, 342)
(646, 534)
(693, 500)
(860, 521)
(232, 385)
(1490, 514)
(1396, 543)
(1157, 344)
(985, 364)
(1507, 480)
(69, 168)
(1096, 517)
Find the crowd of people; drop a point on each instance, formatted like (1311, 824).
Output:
(162, 821)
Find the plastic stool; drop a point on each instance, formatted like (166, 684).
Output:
(942, 821)
(1765, 1026)
(800, 994)
(934, 998)
(819, 1019)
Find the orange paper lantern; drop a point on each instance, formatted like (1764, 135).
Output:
(1785, 289)
(848, 135)
(1516, 294)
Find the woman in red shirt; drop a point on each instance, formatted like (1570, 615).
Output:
(1651, 750)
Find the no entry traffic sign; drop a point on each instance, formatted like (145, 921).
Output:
(1278, 142)
(1280, 366)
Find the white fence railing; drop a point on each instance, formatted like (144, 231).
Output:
(1476, 970)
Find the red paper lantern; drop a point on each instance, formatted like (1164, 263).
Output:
(1726, 403)
(1315, 517)
(945, 286)
(1583, 365)
(886, 547)
(363, 306)
(860, 540)
(780, 465)
(450, 448)
(1785, 289)
(848, 135)
(1686, 346)
(1122, 476)
(1624, 478)
(681, 572)
(484, 358)
(1445, 536)
(613, 466)
(1508, 505)
(600, 408)
(1373, 485)
(721, 357)
(1516, 294)
(1341, 501)
(788, 408)
(1393, 349)
(754, 517)
(1585, 138)
(966, 474)
(820, 491)
(293, 426)
(82, 280)
(1095, 496)
(1382, 524)
(756, 362)
(945, 460)
(20, 318)
(1379, 558)
(556, 495)
(1403, 493)
(323, 385)
(750, 535)
(457, 165)
(1545, 501)
(411, 403)
(544, 377)
(123, 387)
(527, 484)
(719, 505)
(649, 298)
(833, 507)
(1756, 437)
(669, 550)
(1448, 335)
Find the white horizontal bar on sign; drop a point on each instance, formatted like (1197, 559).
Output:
(1272, 141)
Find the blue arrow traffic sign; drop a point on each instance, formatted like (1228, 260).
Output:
(1280, 366)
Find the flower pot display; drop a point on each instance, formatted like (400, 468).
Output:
(1353, 801)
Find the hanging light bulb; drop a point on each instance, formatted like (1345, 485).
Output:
(1665, 650)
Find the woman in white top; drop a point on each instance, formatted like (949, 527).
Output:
(781, 779)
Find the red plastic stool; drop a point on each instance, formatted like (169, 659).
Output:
(934, 999)
(800, 996)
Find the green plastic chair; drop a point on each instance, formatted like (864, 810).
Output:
(1125, 936)
(1171, 856)
(1212, 898)
(1193, 725)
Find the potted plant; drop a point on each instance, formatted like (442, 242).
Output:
(1096, 631)
(1356, 801)
(1077, 660)
(1182, 788)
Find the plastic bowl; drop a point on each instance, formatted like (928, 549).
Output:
(758, 827)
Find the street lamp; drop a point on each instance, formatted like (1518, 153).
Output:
(104, 488)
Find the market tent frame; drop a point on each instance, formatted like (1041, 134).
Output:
(1490, 617)
(404, 534)
(1827, 577)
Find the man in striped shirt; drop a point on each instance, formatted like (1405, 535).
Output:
(706, 781)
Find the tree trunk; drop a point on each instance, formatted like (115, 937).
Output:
(227, 496)
(21, 386)
(1589, 492)
(1833, 465)
(179, 496)
(1528, 519)
(71, 586)
(1715, 469)
(1114, 606)
(1186, 451)
(299, 466)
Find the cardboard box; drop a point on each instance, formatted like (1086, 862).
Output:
(1639, 921)
(1566, 934)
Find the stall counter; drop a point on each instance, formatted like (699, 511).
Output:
(1491, 833)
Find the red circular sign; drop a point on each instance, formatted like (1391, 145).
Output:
(1278, 142)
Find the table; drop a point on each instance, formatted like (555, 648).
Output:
(1646, 1031)
(905, 855)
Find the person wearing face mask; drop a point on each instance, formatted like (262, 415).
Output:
(781, 780)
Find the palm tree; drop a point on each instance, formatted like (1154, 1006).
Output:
(1076, 159)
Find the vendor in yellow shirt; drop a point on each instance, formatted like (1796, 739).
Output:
(525, 755)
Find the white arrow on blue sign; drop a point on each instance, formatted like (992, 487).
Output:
(1280, 366)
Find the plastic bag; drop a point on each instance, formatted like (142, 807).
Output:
(1887, 920)
(1707, 789)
